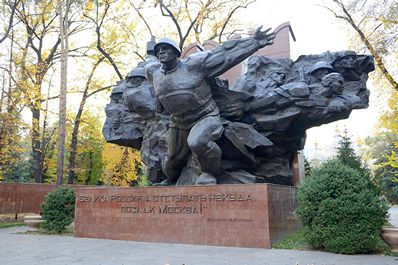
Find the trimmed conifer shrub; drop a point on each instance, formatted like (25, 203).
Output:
(58, 209)
(342, 209)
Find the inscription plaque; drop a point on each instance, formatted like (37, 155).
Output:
(226, 215)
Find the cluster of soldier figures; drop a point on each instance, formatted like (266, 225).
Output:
(194, 128)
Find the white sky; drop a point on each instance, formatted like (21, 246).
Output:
(316, 31)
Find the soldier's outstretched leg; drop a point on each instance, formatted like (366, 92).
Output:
(201, 140)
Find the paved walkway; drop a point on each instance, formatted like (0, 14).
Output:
(17, 248)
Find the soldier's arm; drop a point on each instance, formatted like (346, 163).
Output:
(229, 54)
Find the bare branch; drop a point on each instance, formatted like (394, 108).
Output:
(230, 16)
(99, 90)
(167, 13)
(142, 17)
(99, 47)
(9, 25)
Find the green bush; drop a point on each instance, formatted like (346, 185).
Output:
(58, 209)
(341, 209)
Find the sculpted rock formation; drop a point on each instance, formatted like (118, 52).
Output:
(256, 125)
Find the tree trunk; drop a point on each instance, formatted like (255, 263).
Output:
(73, 145)
(90, 170)
(36, 146)
(63, 90)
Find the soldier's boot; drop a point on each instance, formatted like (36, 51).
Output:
(210, 164)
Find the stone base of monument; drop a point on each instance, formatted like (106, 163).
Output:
(251, 215)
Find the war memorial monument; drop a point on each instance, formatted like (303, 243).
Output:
(198, 134)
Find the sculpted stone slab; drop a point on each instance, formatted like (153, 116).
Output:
(225, 215)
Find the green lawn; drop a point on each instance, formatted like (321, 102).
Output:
(294, 241)
(12, 224)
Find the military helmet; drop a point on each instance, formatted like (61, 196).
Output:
(343, 54)
(170, 42)
(321, 65)
(138, 71)
(150, 46)
(118, 89)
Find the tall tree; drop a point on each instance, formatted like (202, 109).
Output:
(38, 43)
(36, 60)
(11, 145)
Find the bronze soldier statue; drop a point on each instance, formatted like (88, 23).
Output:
(182, 89)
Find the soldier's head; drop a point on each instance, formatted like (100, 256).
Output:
(345, 60)
(335, 82)
(136, 76)
(116, 95)
(320, 69)
(167, 50)
(278, 76)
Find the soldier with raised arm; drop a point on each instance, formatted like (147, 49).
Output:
(182, 89)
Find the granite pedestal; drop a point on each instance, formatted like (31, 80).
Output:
(255, 215)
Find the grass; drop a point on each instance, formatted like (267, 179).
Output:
(68, 232)
(295, 241)
(12, 224)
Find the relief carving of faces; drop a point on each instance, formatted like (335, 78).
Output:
(278, 76)
(347, 62)
(136, 81)
(335, 82)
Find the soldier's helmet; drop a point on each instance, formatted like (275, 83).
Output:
(321, 65)
(168, 41)
(118, 89)
(342, 54)
(138, 71)
(150, 47)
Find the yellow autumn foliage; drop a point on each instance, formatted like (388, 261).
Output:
(122, 165)
(390, 117)
(89, 6)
